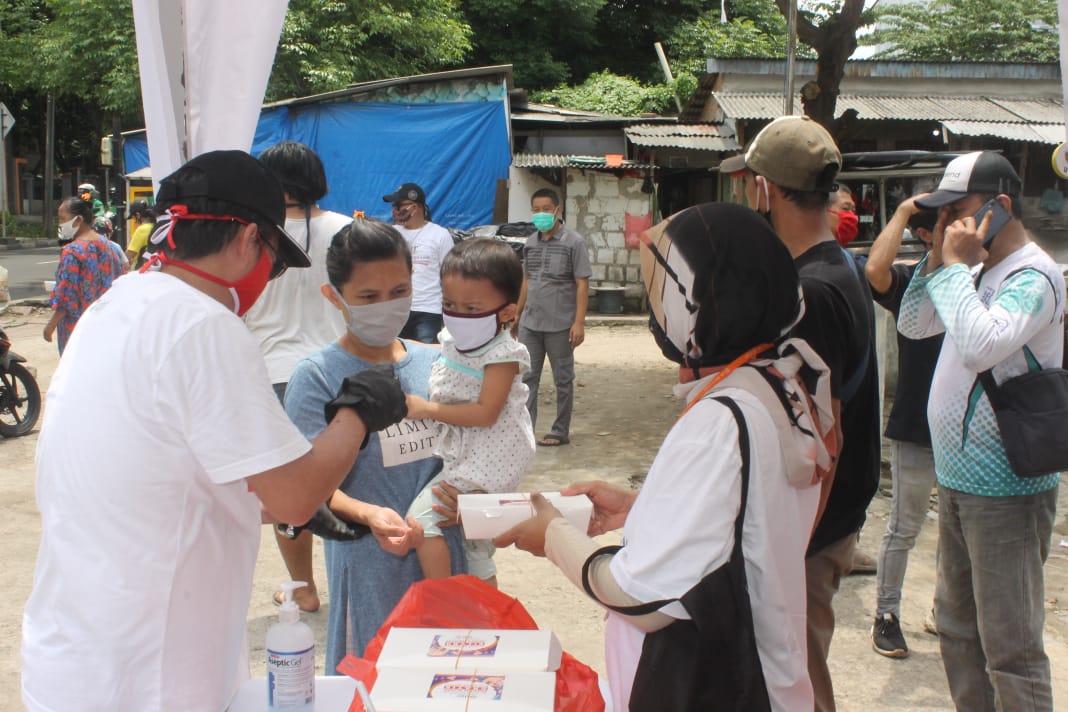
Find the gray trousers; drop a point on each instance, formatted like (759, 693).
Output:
(557, 346)
(912, 469)
(989, 599)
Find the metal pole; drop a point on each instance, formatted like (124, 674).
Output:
(48, 217)
(791, 53)
(120, 179)
(666, 68)
(3, 179)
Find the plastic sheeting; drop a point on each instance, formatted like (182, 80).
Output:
(456, 151)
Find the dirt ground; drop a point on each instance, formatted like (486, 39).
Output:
(623, 408)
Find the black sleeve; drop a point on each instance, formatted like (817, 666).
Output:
(826, 327)
(900, 276)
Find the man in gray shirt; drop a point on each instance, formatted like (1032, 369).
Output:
(552, 308)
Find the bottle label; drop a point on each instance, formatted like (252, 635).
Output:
(290, 679)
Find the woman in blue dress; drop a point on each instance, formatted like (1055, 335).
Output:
(370, 272)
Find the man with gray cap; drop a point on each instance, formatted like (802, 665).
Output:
(1000, 299)
(788, 172)
(152, 497)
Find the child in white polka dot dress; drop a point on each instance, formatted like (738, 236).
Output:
(477, 393)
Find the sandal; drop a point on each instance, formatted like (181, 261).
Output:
(554, 440)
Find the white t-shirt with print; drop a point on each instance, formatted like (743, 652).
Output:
(292, 318)
(681, 528)
(429, 245)
(149, 532)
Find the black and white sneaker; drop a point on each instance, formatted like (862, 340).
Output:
(886, 637)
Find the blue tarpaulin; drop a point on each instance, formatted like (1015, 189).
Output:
(456, 151)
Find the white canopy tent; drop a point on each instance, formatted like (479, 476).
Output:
(204, 70)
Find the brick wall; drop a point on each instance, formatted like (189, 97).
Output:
(597, 202)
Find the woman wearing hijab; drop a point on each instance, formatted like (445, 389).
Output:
(700, 618)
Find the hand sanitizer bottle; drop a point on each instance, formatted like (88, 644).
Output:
(290, 658)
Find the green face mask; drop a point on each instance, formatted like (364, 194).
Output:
(543, 221)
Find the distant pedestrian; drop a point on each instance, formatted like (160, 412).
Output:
(842, 215)
(428, 243)
(911, 460)
(552, 308)
(88, 264)
(144, 218)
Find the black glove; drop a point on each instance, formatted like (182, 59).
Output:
(376, 396)
(328, 525)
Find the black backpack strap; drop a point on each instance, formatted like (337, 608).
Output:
(739, 522)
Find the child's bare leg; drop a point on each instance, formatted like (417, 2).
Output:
(492, 581)
(434, 557)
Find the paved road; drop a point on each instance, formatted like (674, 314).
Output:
(28, 269)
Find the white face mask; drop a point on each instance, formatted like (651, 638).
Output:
(379, 323)
(472, 331)
(67, 230)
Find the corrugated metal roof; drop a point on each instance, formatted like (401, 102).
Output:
(698, 137)
(902, 108)
(551, 160)
(1036, 133)
(1042, 111)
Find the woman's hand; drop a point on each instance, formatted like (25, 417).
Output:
(447, 508)
(610, 504)
(417, 407)
(49, 330)
(530, 535)
(395, 535)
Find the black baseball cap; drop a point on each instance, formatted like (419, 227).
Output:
(983, 172)
(236, 178)
(406, 191)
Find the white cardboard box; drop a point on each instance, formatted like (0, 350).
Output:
(399, 690)
(484, 516)
(462, 649)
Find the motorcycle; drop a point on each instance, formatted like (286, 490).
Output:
(20, 397)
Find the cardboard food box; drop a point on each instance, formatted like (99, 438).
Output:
(461, 649)
(400, 690)
(484, 516)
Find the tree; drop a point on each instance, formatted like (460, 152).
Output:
(968, 31)
(611, 94)
(84, 54)
(835, 40)
(326, 45)
(547, 41)
(627, 29)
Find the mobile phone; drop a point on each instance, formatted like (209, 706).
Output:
(998, 220)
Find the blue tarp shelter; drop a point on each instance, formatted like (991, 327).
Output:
(456, 151)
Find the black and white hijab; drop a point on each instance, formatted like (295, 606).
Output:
(724, 296)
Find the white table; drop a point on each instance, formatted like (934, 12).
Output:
(332, 694)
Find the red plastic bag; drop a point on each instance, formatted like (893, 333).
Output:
(467, 602)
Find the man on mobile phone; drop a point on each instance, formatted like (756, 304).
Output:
(1002, 307)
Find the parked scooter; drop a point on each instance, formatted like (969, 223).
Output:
(20, 397)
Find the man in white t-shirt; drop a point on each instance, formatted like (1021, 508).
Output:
(429, 243)
(152, 494)
(291, 319)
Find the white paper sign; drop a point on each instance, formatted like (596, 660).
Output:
(408, 441)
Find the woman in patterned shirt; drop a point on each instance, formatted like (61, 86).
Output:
(87, 267)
